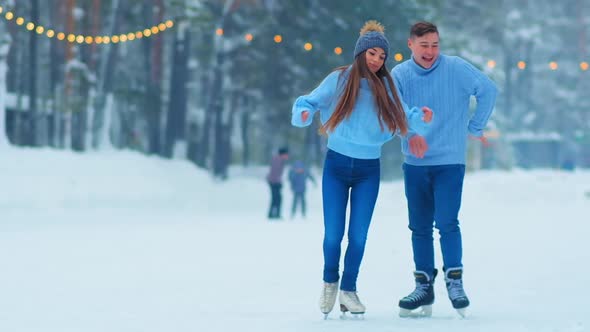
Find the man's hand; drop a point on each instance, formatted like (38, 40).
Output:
(418, 146)
(482, 139)
(304, 116)
(427, 114)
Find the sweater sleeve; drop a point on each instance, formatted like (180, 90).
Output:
(416, 126)
(485, 92)
(318, 100)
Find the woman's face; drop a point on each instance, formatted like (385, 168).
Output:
(375, 58)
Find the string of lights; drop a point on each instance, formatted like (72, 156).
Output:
(398, 57)
(81, 39)
(147, 32)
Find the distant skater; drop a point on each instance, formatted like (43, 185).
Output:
(275, 182)
(298, 177)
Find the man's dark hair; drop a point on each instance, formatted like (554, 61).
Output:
(284, 150)
(421, 28)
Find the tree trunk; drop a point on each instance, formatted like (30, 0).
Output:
(245, 127)
(4, 49)
(153, 58)
(33, 116)
(508, 64)
(223, 132)
(213, 111)
(81, 90)
(55, 76)
(214, 105)
(66, 120)
(16, 80)
(202, 146)
(100, 127)
(177, 104)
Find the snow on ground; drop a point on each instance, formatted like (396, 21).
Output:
(122, 242)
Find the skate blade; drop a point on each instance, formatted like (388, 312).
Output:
(420, 312)
(462, 312)
(353, 315)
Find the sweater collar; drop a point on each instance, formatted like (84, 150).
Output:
(423, 71)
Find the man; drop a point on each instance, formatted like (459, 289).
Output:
(433, 173)
(275, 181)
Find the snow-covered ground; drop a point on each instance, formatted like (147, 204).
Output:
(122, 242)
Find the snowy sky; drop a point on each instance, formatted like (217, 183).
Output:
(116, 241)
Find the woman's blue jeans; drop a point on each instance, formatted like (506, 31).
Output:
(434, 199)
(358, 179)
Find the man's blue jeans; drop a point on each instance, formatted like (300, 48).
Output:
(434, 198)
(358, 179)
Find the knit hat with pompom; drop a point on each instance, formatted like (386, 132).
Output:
(371, 36)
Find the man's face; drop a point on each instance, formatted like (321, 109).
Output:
(425, 49)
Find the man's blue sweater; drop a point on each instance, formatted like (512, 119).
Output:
(359, 136)
(446, 88)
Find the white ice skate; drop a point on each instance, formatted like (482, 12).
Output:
(328, 297)
(350, 302)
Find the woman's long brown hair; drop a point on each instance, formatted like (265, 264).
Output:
(389, 111)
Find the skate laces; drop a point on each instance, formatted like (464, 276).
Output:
(455, 288)
(420, 292)
(329, 293)
(352, 296)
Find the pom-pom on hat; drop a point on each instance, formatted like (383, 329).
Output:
(371, 36)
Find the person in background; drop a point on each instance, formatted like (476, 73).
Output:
(298, 177)
(434, 172)
(360, 110)
(275, 181)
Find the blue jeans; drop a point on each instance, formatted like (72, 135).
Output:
(358, 179)
(434, 198)
(274, 212)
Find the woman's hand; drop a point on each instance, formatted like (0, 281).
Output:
(304, 116)
(427, 114)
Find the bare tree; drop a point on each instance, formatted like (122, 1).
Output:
(104, 84)
(33, 113)
(4, 48)
(177, 103)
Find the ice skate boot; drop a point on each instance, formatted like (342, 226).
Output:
(328, 297)
(350, 302)
(454, 281)
(421, 298)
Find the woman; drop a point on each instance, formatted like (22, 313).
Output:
(360, 110)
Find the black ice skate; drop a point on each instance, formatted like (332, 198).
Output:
(454, 281)
(421, 298)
